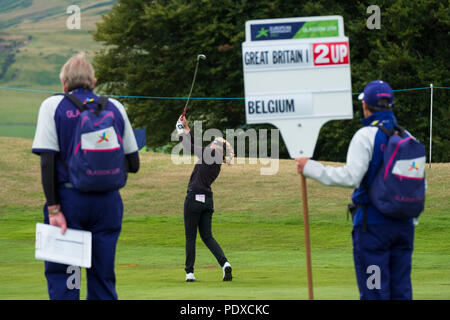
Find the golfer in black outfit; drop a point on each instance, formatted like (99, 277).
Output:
(199, 206)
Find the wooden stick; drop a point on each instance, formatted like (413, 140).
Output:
(307, 241)
(431, 119)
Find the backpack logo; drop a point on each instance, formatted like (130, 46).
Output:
(410, 168)
(100, 140)
(103, 137)
(414, 166)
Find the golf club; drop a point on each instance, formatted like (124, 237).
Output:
(200, 56)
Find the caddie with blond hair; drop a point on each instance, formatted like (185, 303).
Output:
(87, 147)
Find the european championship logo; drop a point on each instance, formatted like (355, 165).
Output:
(103, 137)
(414, 166)
(263, 32)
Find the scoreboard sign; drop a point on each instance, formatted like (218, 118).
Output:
(297, 77)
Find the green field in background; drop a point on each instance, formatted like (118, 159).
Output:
(258, 223)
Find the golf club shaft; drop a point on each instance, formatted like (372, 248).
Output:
(192, 87)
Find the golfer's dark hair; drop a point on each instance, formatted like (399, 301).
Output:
(382, 102)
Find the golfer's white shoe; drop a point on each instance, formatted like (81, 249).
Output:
(190, 277)
(227, 272)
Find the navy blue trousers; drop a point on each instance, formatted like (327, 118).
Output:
(101, 214)
(383, 258)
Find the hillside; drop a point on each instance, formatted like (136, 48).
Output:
(34, 44)
(35, 41)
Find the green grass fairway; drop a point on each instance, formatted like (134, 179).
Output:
(258, 223)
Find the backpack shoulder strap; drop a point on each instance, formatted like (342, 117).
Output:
(400, 130)
(396, 129)
(386, 131)
(102, 102)
(80, 106)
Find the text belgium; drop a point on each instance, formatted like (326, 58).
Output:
(271, 106)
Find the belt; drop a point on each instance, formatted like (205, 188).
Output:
(194, 193)
(66, 185)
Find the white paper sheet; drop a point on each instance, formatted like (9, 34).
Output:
(72, 248)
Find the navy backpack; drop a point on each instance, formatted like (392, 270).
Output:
(97, 162)
(398, 190)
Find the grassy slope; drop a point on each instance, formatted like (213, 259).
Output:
(257, 221)
(38, 62)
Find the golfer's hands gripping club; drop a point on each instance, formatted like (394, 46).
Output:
(182, 126)
(301, 162)
(57, 219)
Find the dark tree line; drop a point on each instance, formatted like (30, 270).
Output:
(150, 49)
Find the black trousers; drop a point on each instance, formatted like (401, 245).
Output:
(198, 215)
